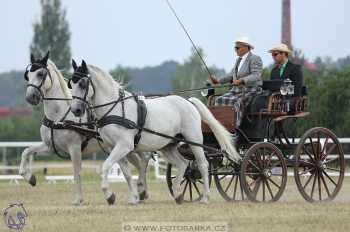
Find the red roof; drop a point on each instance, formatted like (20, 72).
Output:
(13, 111)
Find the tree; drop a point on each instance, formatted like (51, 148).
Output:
(121, 75)
(192, 74)
(52, 34)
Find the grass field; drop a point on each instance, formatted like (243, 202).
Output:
(49, 208)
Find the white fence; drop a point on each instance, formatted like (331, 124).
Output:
(158, 163)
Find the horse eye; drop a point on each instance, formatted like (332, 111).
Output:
(40, 74)
(82, 84)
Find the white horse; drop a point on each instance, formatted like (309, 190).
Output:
(171, 115)
(46, 81)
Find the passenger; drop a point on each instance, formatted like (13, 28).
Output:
(285, 69)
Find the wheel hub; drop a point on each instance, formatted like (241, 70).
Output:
(267, 173)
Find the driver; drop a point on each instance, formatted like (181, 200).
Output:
(245, 78)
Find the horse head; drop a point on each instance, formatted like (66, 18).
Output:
(36, 76)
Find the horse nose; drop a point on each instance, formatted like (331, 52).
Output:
(33, 99)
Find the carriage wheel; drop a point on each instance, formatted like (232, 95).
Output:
(264, 173)
(228, 182)
(192, 182)
(319, 165)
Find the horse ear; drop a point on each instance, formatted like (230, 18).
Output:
(46, 57)
(32, 59)
(83, 64)
(74, 65)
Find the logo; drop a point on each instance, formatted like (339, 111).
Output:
(15, 216)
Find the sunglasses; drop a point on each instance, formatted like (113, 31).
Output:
(237, 48)
(275, 54)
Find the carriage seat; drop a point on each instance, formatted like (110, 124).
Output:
(272, 103)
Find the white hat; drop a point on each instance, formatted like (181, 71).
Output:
(244, 40)
(280, 48)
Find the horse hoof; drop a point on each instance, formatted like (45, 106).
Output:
(32, 180)
(180, 199)
(111, 199)
(78, 202)
(142, 196)
(204, 200)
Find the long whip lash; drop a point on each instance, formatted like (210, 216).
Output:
(188, 35)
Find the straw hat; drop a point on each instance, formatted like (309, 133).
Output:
(280, 48)
(245, 41)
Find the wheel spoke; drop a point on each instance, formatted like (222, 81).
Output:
(190, 185)
(319, 186)
(240, 184)
(313, 186)
(254, 181)
(200, 181)
(273, 182)
(308, 180)
(263, 182)
(235, 189)
(263, 157)
(331, 149)
(229, 184)
(325, 185)
(306, 171)
(333, 169)
(256, 187)
(313, 148)
(331, 160)
(222, 177)
(254, 165)
(306, 162)
(258, 159)
(268, 163)
(195, 186)
(325, 145)
(269, 188)
(184, 191)
(183, 181)
(308, 153)
(326, 174)
(252, 173)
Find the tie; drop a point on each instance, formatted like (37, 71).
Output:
(237, 64)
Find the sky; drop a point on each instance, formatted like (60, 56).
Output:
(145, 33)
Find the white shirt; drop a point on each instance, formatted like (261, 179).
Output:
(244, 57)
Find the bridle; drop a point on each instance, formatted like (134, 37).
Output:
(79, 75)
(35, 66)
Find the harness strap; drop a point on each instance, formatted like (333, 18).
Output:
(52, 125)
(127, 123)
(141, 118)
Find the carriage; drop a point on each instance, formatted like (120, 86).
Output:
(270, 152)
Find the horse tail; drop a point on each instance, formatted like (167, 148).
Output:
(223, 136)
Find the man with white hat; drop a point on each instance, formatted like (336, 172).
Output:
(245, 78)
(285, 69)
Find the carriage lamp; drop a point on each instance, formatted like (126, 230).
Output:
(287, 90)
(208, 91)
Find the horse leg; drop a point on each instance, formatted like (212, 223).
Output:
(174, 157)
(116, 155)
(75, 153)
(140, 161)
(24, 169)
(203, 168)
(133, 198)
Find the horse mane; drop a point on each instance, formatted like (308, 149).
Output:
(100, 73)
(67, 93)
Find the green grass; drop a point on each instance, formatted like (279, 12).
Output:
(49, 208)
